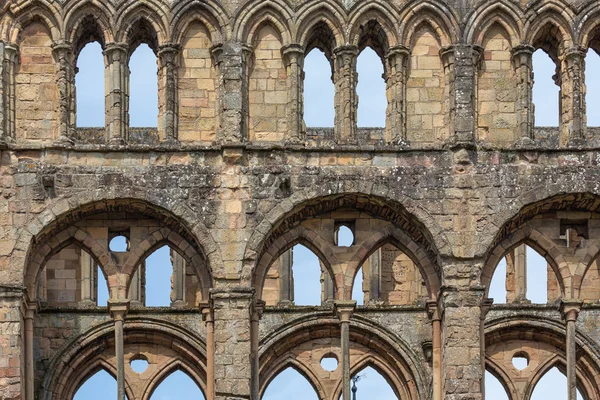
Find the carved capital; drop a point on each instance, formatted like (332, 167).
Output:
(292, 54)
(344, 309)
(118, 309)
(116, 52)
(570, 308)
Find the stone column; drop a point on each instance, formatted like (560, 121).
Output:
(118, 310)
(286, 278)
(231, 59)
(375, 277)
(8, 61)
(257, 312)
(570, 311)
(395, 79)
(63, 57)
(344, 311)
(460, 67)
(11, 335)
(168, 56)
(345, 79)
(485, 307)
(434, 316)
(88, 281)
(177, 280)
(29, 310)
(293, 57)
(233, 348)
(328, 289)
(207, 316)
(461, 337)
(522, 63)
(117, 101)
(516, 275)
(136, 287)
(573, 96)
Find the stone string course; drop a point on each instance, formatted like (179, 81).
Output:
(232, 179)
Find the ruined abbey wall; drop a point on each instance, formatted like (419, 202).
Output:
(459, 179)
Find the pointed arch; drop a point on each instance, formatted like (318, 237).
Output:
(498, 372)
(167, 369)
(320, 25)
(440, 19)
(267, 377)
(33, 11)
(429, 269)
(538, 242)
(503, 14)
(549, 28)
(306, 237)
(91, 370)
(210, 14)
(142, 23)
(254, 15)
(383, 16)
(588, 28)
(87, 22)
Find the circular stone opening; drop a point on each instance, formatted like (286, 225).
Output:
(344, 237)
(139, 364)
(329, 362)
(520, 361)
(118, 244)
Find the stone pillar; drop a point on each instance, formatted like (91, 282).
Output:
(63, 57)
(434, 316)
(293, 57)
(8, 61)
(375, 277)
(233, 348)
(168, 56)
(485, 307)
(207, 316)
(522, 63)
(345, 79)
(136, 287)
(461, 337)
(88, 281)
(257, 311)
(328, 294)
(286, 278)
(570, 311)
(460, 67)
(29, 310)
(516, 275)
(11, 336)
(177, 280)
(231, 59)
(117, 101)
(573, 96)
(395, 79)
(344, 311)
(118, 310)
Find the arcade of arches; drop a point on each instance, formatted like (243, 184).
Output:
(456, 241)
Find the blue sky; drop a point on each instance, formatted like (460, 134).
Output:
(290, 385)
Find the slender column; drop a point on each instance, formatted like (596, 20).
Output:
(375, 277)
(88, 283)
(573, 96)
(231, 59)
(30, 308)
(522, 63)
(293, 57)
(286, 278)
(570, 311)
(117, 74)
(395, 79)
(118, 310)
(8, 62)
(434, 316)
(207, 316)
(177, 280)
(516, 275)
(257, 312)
(460, 67)
(485, 307)
(345, 79)
(168, 59)
(344, 311)
(63, 56)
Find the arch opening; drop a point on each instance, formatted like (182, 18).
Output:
(494, 390)
(144, 91)
(90, 86)
(177, 385)
(100, 385)
(371, 90)
(289, 383)
(318, 90)
(552, 385)
(546, 90)
(592, 87)
(524, 276)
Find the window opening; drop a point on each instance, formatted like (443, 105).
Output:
(319, 91)
(89, 86)
(371, 89)
(143, 100)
